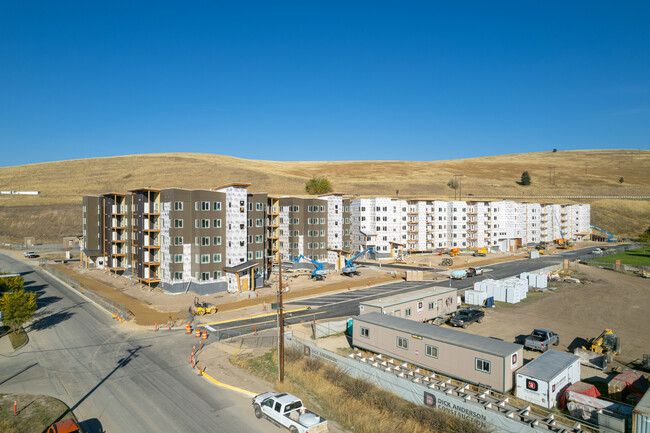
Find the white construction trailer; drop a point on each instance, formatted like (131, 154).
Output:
(543, 380)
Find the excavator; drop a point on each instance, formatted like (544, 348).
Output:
(349, 269)
(319, 273)
(601, 350)
(203, 308)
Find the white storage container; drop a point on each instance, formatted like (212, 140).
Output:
(475, 297)
(543, 380)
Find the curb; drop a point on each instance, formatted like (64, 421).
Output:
(230, 387)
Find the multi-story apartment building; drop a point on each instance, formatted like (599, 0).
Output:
(419, 225)
(209, 240)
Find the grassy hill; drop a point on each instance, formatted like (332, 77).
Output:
(57, 211)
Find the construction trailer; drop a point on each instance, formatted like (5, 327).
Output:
(470, 358)
(641, 415)
(420, 305)
(544, 379)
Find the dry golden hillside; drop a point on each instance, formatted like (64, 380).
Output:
(594, 173)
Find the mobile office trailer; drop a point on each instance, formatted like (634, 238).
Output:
(467, 357)
(641, 415)
(420, 305)
(544, 379)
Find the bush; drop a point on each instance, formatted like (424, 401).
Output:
(525, 179)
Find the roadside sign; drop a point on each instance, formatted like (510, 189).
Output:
(274, 305)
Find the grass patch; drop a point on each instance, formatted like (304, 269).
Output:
(35, 413)
(354, 403)
(17, 339)
(638, 257)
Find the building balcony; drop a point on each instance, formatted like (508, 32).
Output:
(117, 210)
(472, 230)
(118, 240)
(413, 231)
(151, 262)
(152, 229)
(116, 227)
(118, 254)
(152, 246)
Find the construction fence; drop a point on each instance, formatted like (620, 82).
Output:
(113, 307)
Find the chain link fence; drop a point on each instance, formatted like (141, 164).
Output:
(592, 260)
(115, 308)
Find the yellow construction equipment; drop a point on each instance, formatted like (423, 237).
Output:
(454, 252)
(600, 350)
(202, 308)
(481, 252)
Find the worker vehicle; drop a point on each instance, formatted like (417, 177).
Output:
(610, 237)
(447, 262)
(473, 272)
(319, 272)
(601, 350)
(541, 339)
(203, 308)
(30, 254)
(65, 426)
(466, 317)
(481, 252)
(597, 252)
(349, 269)
(288, 411)
(454, 252)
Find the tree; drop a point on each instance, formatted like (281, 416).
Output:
(11, 284)
(525, 178)
(645, 236)
(17, 308)
(453, 183)
(318, 186)
(621, 180)
(554, 150)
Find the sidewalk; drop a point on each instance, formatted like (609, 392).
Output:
(6, 348)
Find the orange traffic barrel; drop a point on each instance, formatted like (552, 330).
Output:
(205, 335)
(188, 328)
(197, 333)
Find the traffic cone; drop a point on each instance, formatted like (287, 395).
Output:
(155, 327)
(200, 370)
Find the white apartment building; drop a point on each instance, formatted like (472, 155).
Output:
(419, 225)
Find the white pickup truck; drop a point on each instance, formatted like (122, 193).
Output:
(287, 410)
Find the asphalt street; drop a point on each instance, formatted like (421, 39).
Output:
(115, 378)
(346, 304)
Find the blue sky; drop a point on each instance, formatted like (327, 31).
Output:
(321, 80)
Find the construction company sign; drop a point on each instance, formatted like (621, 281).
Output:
(454, 407)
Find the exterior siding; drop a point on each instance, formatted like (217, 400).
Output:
(441, 301)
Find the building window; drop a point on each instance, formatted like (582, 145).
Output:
(178, 276)
(216, 240)
(205, 241)
(258, 222)
(178, 224)
(365, 332)
(259, 239)
(402, 343)
(205, 224)
(216, 258)
(205, 205)
(259, 206)
(250, 255)
(217, 275)
(482, 365)
(407, 312)
(431, 351)
(205, 258)
(205, 276)
(259, 254)
(178, 205)
(178, 240)
(216, 205)
(250, 222)
(216, 224)
(178, 258)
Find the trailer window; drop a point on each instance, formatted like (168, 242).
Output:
(432, 305)
(431, 351)
(482, 365)
(407, 312)
(402, 343)
(365, 332)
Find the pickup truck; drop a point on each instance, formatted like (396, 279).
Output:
(472, 272)
(287, 410)
(30, 254)
(465, 317)
(541, 339)
(597, 252)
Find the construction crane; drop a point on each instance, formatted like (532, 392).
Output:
(611, 237)
(565, 243)
(349, 268)
(319, 273)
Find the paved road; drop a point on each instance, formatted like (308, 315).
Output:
(346, 304)
(115, 378)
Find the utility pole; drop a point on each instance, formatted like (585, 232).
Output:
(281, 322)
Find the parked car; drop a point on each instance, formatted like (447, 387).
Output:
(597, 251)
(465, 317)
(288, 411)
(30, 254)
(541, 339)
